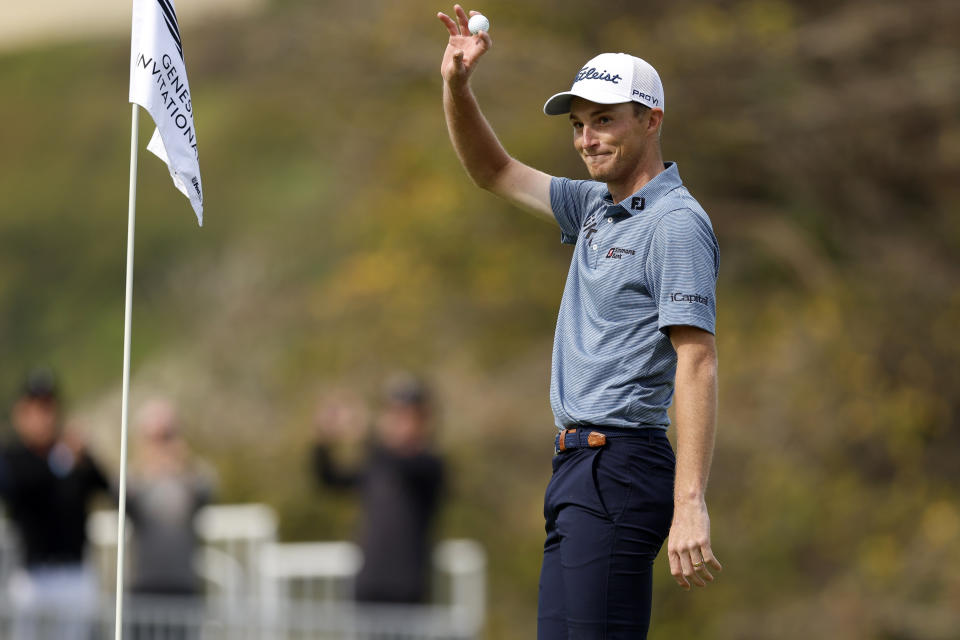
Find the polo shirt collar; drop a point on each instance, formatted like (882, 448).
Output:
(662, 184)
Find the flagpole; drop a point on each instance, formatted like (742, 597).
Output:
(125, 401)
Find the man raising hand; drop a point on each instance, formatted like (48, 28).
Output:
(635, 333)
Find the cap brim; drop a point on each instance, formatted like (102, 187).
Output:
(560, 103)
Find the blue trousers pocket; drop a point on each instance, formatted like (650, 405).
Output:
(612, 481)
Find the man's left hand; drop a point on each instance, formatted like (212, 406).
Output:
(688, 546)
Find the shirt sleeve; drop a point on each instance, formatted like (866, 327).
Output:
(95, 479)
(570, 200)
(205, 483)
(681, 271)
(329, 473)
(5, 484)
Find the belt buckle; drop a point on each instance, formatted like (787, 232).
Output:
(560, 443)
(596, 439)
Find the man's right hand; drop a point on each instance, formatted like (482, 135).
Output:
(340, 416)
(463, 49)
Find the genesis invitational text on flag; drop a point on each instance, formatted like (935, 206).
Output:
(158, 83)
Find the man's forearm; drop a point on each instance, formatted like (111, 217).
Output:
(473, 138)
(689, 547)
(696, 416)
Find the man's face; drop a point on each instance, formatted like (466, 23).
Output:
(403, 427)
(610, 138)
(35, 420)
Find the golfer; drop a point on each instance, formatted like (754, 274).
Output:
(635, 332)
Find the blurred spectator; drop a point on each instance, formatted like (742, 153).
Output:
(400, 482)
(166, 489)
(47, 480)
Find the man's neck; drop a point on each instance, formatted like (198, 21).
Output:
(645, 172)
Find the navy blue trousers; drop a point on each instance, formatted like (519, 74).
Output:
(608, 511)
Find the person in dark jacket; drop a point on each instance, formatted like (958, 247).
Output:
(400, 482)
(47, 482)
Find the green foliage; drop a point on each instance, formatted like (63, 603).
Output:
(344, 240)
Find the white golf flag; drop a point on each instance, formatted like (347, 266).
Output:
(158, 83)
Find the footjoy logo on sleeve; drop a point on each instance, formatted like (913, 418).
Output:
(591, 73)
(689, 298)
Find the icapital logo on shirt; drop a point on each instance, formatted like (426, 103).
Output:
(689, 298)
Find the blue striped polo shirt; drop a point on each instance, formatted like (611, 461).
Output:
(639, 267)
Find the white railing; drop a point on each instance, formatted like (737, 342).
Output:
(168, 619)
(258, 588)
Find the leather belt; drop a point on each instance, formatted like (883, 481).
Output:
(578, 439)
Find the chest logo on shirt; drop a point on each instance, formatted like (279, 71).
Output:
(589, 225)
(616, 253)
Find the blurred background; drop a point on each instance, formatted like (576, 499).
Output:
(343, 240)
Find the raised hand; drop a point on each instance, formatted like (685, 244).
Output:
(74, 437)
(340, 416)
(463, 49)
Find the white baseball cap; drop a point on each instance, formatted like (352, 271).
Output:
(611, 78)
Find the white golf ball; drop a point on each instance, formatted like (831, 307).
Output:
(478, 23)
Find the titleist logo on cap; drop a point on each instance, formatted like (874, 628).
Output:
(591, 73)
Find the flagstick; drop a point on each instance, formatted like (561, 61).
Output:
(125, 402)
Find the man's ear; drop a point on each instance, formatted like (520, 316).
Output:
(656, 118)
